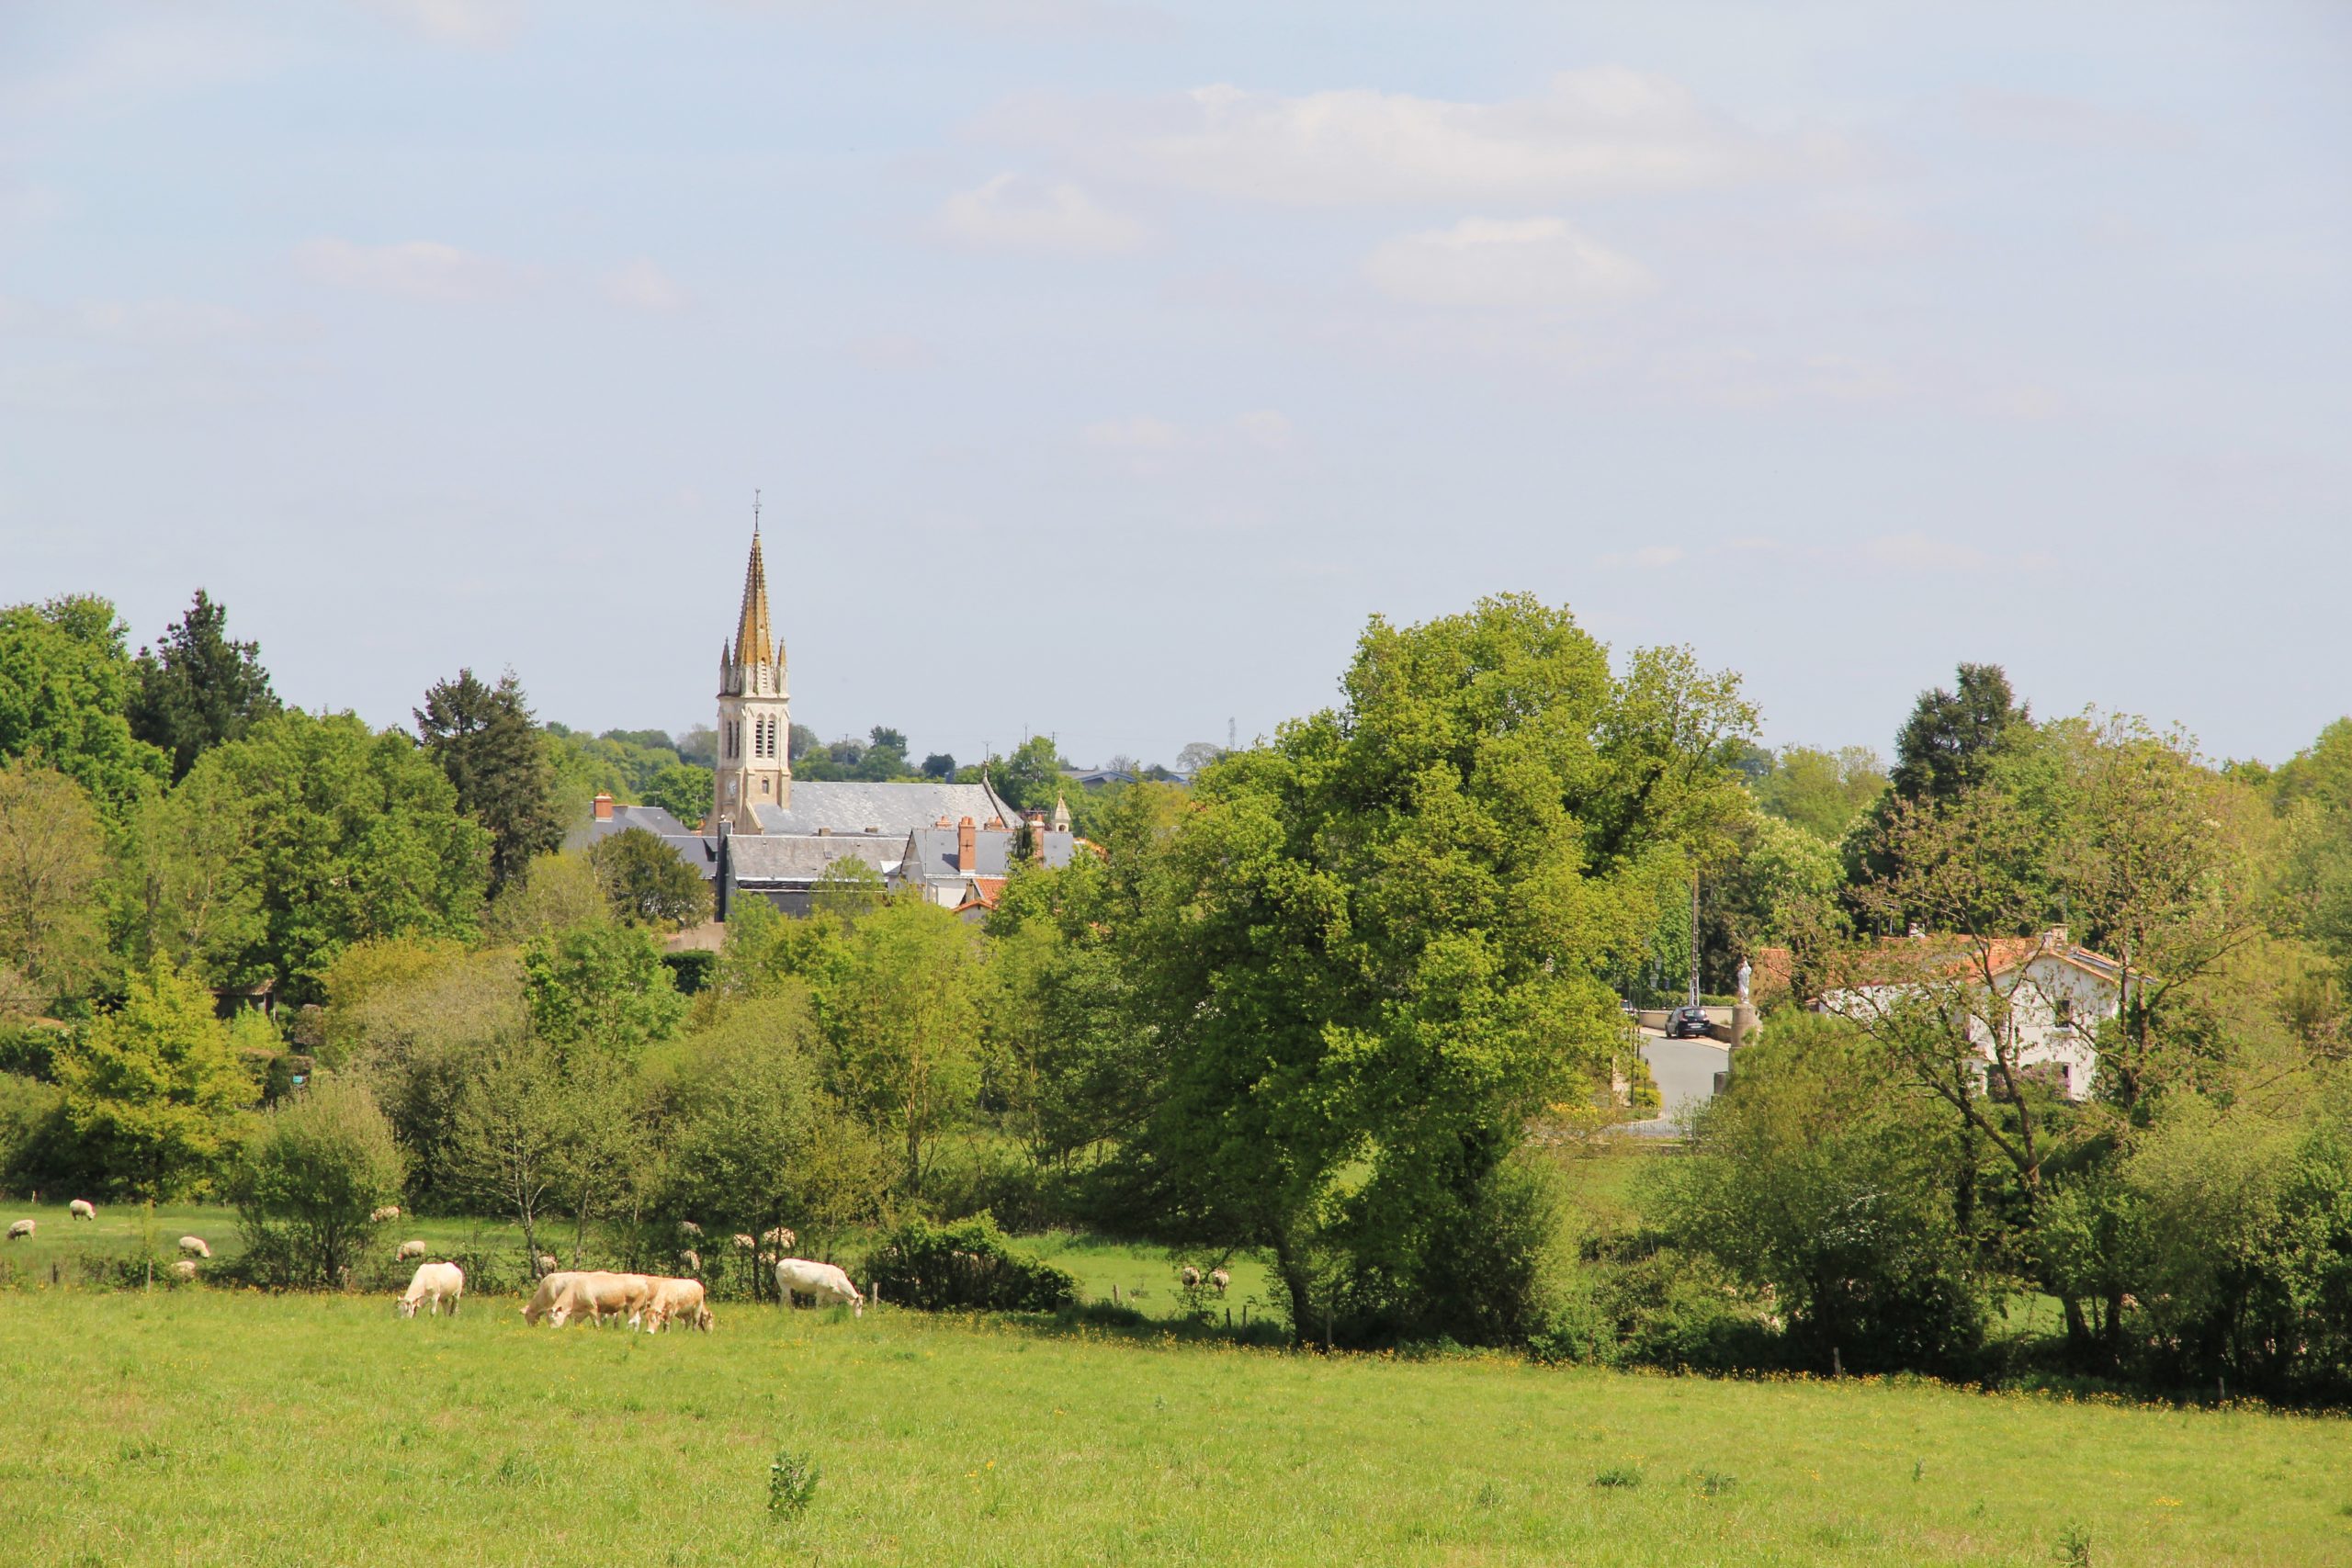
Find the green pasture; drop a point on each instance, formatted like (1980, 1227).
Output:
(212, 1426)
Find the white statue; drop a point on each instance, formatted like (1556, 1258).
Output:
(1745, 974)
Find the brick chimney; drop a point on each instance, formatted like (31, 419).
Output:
(967, 845)
(602, 805)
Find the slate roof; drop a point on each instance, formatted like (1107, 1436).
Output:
(932, 853)
(652, 819)
(895, 809)
(772, 859)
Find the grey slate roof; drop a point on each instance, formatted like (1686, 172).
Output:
(768, 859)
(933, 853)
(652, 819)
(895, 809)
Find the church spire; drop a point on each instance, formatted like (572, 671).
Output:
(754, 638)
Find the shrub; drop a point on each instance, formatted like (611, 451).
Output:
(967, 1264)
(309, 1176)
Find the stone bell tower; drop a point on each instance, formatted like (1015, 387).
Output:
(754, 710)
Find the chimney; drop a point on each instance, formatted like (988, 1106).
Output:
(968, 843)
(2054, 937)
(602, 805)
(1034, 820)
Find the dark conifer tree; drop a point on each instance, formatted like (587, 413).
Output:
(483, 738)
(197, 688)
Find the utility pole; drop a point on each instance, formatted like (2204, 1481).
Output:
(1694, 938)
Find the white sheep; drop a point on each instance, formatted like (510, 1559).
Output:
(409, 1249)
(1191, 1276)
(21, 1231)
(547, 1262)
(388, 1212)
(1219, 1278)
(744, 1243)
(83, 1209)
(778, 1238)
(687, 1227)
(692, 1259)
(184, 1269)
(194, 1246)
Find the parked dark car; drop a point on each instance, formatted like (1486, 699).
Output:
(1686, 1023)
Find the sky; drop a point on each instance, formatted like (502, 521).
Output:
(1102, 367)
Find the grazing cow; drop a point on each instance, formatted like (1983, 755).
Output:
(557, 1299)
(821, 1282)
(778, 1238)
(546, 1261)
(744, 1243)
(21, 1231)
(1220, 1280)
(184, 1270)
(692, 1259)
(83, 1209)
(409, 1249)
(679, 1299)
(388, 1212)
(687, 1227)
(1191, 1276)
(436, 1282)
(194, 1246)
(617, 1295)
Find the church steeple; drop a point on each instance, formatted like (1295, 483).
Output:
(754, 709)
(755, 637)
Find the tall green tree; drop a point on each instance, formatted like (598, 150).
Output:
(309, 1180)
(52, 855)
(1385, 945)
(483, 740)
(353, 835)
(65, 684)
(1952, 736)
(647, 883)
(152, 1089)
(1031, 777)
(1821, 792)
(600, 987)
(197, 687)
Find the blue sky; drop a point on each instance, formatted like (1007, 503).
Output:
(1104, 367)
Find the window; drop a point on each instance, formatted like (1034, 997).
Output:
(2061, 1012)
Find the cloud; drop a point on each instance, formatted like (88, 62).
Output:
(418, 269)
(1016, 213)
(1537, 264)
(474, 24)
(1609, 128)
(642, 286)
(1269, 430)
(2052, 120)
(1650, 558)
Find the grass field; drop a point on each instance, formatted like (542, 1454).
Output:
(211, 1427)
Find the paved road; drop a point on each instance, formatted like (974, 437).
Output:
(1685, 1071)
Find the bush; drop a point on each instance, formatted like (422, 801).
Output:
(32, 1120)
(967, 1264)
(319, 1165)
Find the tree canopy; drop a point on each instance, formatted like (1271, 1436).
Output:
(197, 688)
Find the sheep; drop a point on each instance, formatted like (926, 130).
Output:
(21, 1231)
(687, 1227)
(436, 1282)
(778, 1238)
(184, 1270)
(408, 1249)
(681, 1299)
(557, 1299)
(822, 1282)
(81, 1208)
(1191, 1276)
(546, 1260)
(692, 1259)
(388, 1212)
(1219, 1279)
(194, 1246)
(744, 1243)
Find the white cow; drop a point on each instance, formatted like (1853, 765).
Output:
(436, 1282)
(409, 1249)
(557, 1299)
(821, 1282)
(678, 1298)
(184, 1269)
(616, 1295)
(388, 1212)
(194, 1246)
(83, 1209)
(21, 1231)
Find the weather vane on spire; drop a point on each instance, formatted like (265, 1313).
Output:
(755, 514)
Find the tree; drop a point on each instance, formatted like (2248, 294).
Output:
(52, 855)
(351, 835)
(940, 765)
(802, 740)
(1196, 755)
(483, 739)
(416, 1020)
(152, 1088)
(698, 747)
(555, 893)
(682, 790)
(1031, 777)
(647, 882)
(65, 681)
(183, 889)
(1381, 947)
(1821, 792)
(310, 1181)
(1951, 737)
(199, 688)
(512, 1129)
(600, 987)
